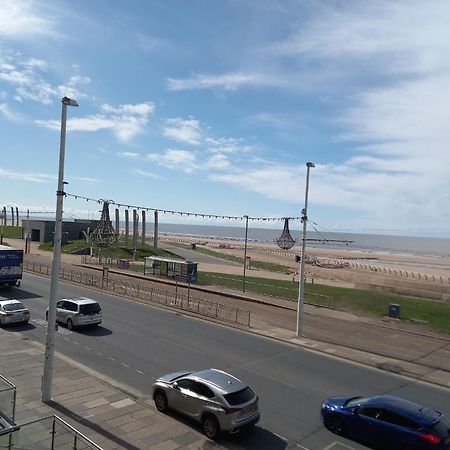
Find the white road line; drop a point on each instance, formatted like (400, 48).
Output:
(99, 353)
(329, 447)
(282, 438)
(139, 371)
(76, 343)
(186, 347)
(301, 446)
(124, 365)
(110, 358)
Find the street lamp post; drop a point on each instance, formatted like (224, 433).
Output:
(301, 281)
(51, 322)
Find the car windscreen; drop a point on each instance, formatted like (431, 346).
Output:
(90, 308)
(355, 401)
(238, 397)
(13, 307)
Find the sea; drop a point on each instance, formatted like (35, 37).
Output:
(371, 243)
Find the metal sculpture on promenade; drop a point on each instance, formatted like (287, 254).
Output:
(285, 241)
(104, 235)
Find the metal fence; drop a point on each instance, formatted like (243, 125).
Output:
(150, 294)
(48, 433)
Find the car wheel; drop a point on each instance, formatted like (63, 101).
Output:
(69, 324)
(335, 425)
(211, 426)
(160, 401)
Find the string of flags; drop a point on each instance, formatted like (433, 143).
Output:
(181, 213)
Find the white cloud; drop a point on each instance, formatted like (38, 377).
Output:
(228, 82)
(28, 79)
(176, 159)
(130, 155)
(144, 173)
(24, 18)
(5, 110)
(124, 121)
(218, 161)
(34, 177)
(407, 35)
(183, 130)
(227, 145)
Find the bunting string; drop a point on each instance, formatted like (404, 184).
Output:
(181, 213)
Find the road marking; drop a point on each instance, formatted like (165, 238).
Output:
(125, 365)
(139, 371)
(186, 347)
(99, 353)
(332, 445)
(301, 446)
(76, 343)
(282, 438)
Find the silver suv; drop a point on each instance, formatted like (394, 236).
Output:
(216, 399)
(76, 312)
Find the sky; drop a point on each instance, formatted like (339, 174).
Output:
(215, 107)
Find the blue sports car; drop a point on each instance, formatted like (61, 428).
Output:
(386, 422)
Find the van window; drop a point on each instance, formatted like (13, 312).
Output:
(90, 308)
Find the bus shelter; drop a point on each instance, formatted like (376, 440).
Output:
(171, 268)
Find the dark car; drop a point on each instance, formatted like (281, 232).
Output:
(386, 422)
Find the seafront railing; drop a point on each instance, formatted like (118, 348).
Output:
(52, 433)
(146, 293)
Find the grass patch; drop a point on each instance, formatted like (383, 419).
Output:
(11, 232)
(356, 301)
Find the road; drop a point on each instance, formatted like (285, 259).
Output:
(136, 343)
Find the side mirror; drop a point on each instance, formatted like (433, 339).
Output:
(356, 411)
(175, 385)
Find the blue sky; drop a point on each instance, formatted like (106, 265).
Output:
(216, 106)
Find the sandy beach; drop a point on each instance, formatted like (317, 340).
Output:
(407, 274)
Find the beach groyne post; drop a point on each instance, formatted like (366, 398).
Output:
(117, 223)
(155, 230)
(245, 253)
(127, 229)
(135, 227)
(143, 228)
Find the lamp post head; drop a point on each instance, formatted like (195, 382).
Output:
(69, 101)
(310, 164)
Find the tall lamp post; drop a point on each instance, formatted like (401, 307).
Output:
(51, 323)
(301, 281)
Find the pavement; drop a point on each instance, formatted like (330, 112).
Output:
(114, 417)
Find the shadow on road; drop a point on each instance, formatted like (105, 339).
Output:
(18, 327)
(249, 438)
(18, 294)
(94, 330)
(256, 437)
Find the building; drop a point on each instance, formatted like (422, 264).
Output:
(43, 230)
